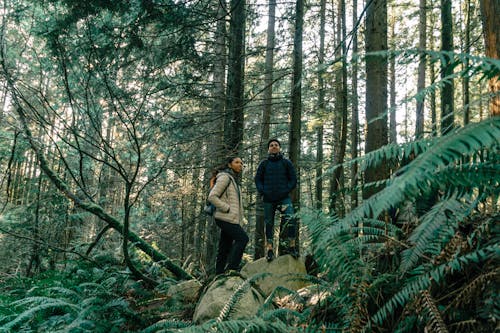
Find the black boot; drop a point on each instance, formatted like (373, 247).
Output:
(270, 255)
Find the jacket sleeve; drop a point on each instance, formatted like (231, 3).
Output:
(214, 197)
(259, 178)
(292, 176)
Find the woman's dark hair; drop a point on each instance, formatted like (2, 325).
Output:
(230, 159)
(220, 168)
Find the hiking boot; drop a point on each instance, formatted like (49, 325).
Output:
(270, 255)
(294, 253)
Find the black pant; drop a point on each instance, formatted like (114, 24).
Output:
(233, 240)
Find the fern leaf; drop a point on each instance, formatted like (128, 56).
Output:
(435, 320)
(472, 290)
(415, 177)
(256, 325)
(165, 325)
(30, 313)
(436, 226)
(229, 307)
(423, 280)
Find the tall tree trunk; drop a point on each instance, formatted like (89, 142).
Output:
(337, 122)
(266, 120)
(35, 258)
(342, 108)
(3, 101)
(422, 36)
(376, 89)
(433, 77)
(466, 50)
(355, 111)
(296, 104)
(233, 122)
(447, 102)
(321, 108)
(392, 92)
(432, 101)
(490, 10)
(215, 147)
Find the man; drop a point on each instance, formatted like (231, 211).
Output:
(275, 179)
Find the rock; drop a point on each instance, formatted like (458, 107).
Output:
(219, 293)
(285, 271)
(310, 296)
(185, 290)
(314, 295)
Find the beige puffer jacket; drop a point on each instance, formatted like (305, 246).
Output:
(226, 199)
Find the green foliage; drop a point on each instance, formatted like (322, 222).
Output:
(255, 325)
(237, 295)
(404, 277)
(65, 302)
(165, 326)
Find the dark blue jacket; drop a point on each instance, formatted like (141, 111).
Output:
(275, 178)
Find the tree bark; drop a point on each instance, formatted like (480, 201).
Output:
(233, 124)
(490, 10)
(422, 36)
(259, 236)
(321, 108)
(432, 77)
(393, 135)
(466, 79)
(215, 145)
(355, 112)
(447, 98)
(338, 179)
(296, 105)
(376, 89)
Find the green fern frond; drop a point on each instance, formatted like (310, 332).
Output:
(255, 325)
(418, 176)
(323, 327)
(166, 326)
(465, 177)
(486, 227)
(33, 301)
(40, 308)
(268, 302)
(341, 250)
(284, 315)
(77, 325)
(390, 152)
(229, 307)
(423, 279)
(472, 290)
(467, 326)
(317, 222)
(118, 303)
(437, 226)
(435, 322)
(64, 292)
(95, 289)
(367, 226)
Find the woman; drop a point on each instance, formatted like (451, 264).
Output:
(226, 197)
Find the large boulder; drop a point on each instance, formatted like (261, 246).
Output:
(219, 293)
(185, 290)
(285, 271)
